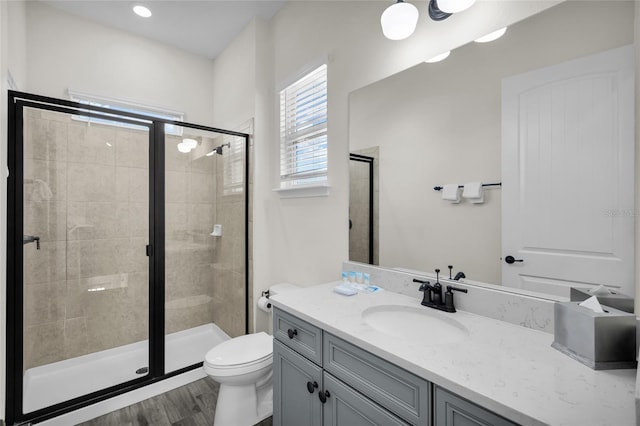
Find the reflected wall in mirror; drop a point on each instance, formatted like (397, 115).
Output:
(440, 123)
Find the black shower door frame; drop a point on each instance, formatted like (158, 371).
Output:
(369, 161)
(155, 250)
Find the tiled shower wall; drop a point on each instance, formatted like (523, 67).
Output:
(93, 226)
(229, 261)
(86, 196)
(204, 278)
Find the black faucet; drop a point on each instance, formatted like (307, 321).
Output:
(459, 276)
(426, 288)
(433, 294)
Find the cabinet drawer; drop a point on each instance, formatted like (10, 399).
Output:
(397, 390)
(346, 407)
(299, 335)
(452, 410)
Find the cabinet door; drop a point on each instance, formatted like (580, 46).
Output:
(345, 406)
(293, 404)
(451, 410)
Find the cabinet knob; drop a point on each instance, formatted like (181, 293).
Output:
(292, 333)
(311, 387)
(323, 396)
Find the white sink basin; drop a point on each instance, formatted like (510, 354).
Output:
(415, 323)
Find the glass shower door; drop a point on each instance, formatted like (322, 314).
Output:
(205, 237)
(85, 271)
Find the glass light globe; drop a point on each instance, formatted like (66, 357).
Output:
(184, 148)
(191, 143)
(438, 58)
(454, 6)
(399, 20)
(491, 36)
(141, 11)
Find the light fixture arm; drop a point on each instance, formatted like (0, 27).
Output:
(435, 13)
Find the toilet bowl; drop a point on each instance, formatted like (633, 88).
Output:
(243, 368)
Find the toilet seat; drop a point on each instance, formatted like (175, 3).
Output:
(240, 355)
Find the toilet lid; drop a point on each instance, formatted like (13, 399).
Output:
(241, 350)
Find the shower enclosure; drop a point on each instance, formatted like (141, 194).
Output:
(127, 251)
(363, 206)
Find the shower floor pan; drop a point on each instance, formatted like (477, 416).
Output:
(61, 381)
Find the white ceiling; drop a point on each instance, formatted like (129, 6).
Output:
(203, 27)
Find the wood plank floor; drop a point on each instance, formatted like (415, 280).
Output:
(190, 405)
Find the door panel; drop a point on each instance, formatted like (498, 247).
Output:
(291, 373)
(347, 407)
(85, 270)
(568, 175)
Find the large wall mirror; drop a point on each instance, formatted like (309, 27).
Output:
(442, 123)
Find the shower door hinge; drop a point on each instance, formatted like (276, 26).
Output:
(149, 250)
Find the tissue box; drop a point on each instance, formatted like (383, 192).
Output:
(602, 341)
(615, 300)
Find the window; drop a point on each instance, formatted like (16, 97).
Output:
(303, 130)
(125, 106)
(233, 164)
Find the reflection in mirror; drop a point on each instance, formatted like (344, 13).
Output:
(363, 206)
(441, 123)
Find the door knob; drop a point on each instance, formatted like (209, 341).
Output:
(292, 333)
(510, 260)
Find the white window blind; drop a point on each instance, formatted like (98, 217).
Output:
(126, 106)
(233, 165)
(303, 130)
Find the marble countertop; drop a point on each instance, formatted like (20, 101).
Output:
(510, 370)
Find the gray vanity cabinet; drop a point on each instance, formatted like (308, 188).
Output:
(451, 410)
(346, 407)
(322, 380)
(305, 394)
(293, 404)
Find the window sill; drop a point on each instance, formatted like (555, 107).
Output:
(303, 191)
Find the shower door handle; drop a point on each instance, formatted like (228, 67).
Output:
(26, 239)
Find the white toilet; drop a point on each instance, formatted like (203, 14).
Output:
(242, 366)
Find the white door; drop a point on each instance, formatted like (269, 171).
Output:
(568, 175)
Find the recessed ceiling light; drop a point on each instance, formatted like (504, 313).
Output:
(184, 148)
(191, 143)
(438, 58)
(141, 10)
(491, 36)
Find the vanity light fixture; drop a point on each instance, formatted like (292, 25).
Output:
(454, 6)
(491, 36)
(438, 58)
(141, 10)
(399, 20)
(435, 13)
